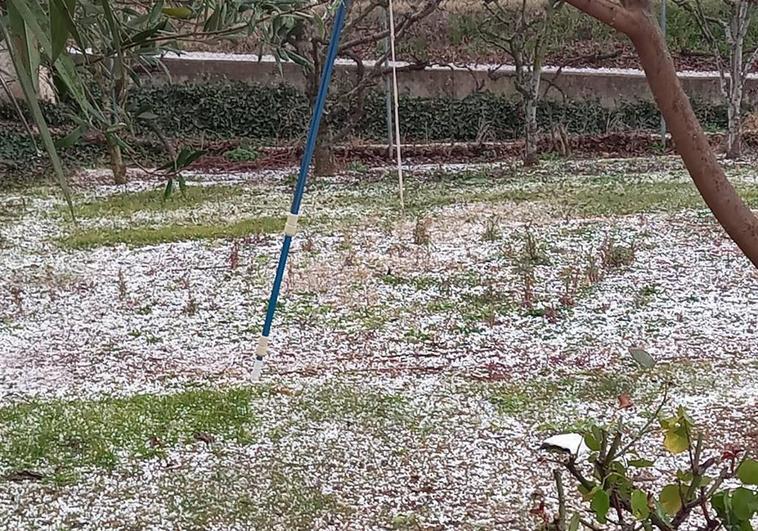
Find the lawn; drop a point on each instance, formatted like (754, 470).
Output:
(419, 356)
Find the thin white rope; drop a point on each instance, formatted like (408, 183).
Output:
(396, 98)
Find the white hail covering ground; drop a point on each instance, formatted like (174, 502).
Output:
(72, 333)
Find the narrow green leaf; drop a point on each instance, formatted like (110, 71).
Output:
(61, 25)
(169, 189)
(25, 45)
(72, 138)
(599, 434)
(155, 12)
(143, 38)
(113, 25)
(641, 463)
(213, 22)
(186, 157)
(298, 59)
(36, 20)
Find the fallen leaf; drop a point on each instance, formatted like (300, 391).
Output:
(625, 401)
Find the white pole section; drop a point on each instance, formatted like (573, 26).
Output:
(398, 142)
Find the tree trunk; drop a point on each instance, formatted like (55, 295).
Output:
(118, 167)
(638, 24)
(325, 163)
(530, 132)
(737, 73)
(734, 130)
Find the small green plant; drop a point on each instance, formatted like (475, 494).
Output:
(234, 255)
(571, 278)
(309, 245)
(615, 255)
(346, 244)
(485, 307)
(415, 335)
(532, 252)
(405, 521)
(421, 232)
(491, 229)
(122, 289)
(717, 488)
(291, 179)
(17, 294)
(527, 292)
(190, 306)
(645, 295)
(242, 154)
(357, 166)
(592, 272)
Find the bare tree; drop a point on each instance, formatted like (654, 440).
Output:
(522, 31)
(731, 29)
(307, 43)
(635, 20)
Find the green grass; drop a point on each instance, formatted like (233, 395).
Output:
(484, 307)
(345, 402)
(419, 282)
(579, 197)
(139, 236)
(281, 499)
(130, 203)
(606, 196)
(68, 435)
(550, 403)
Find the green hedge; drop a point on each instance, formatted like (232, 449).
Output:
(230, 110)
(235, 109)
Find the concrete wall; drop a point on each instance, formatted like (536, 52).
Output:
(606, 86)
(7, 71)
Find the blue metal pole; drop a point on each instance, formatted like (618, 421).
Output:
(310, 147)
(664, 31)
